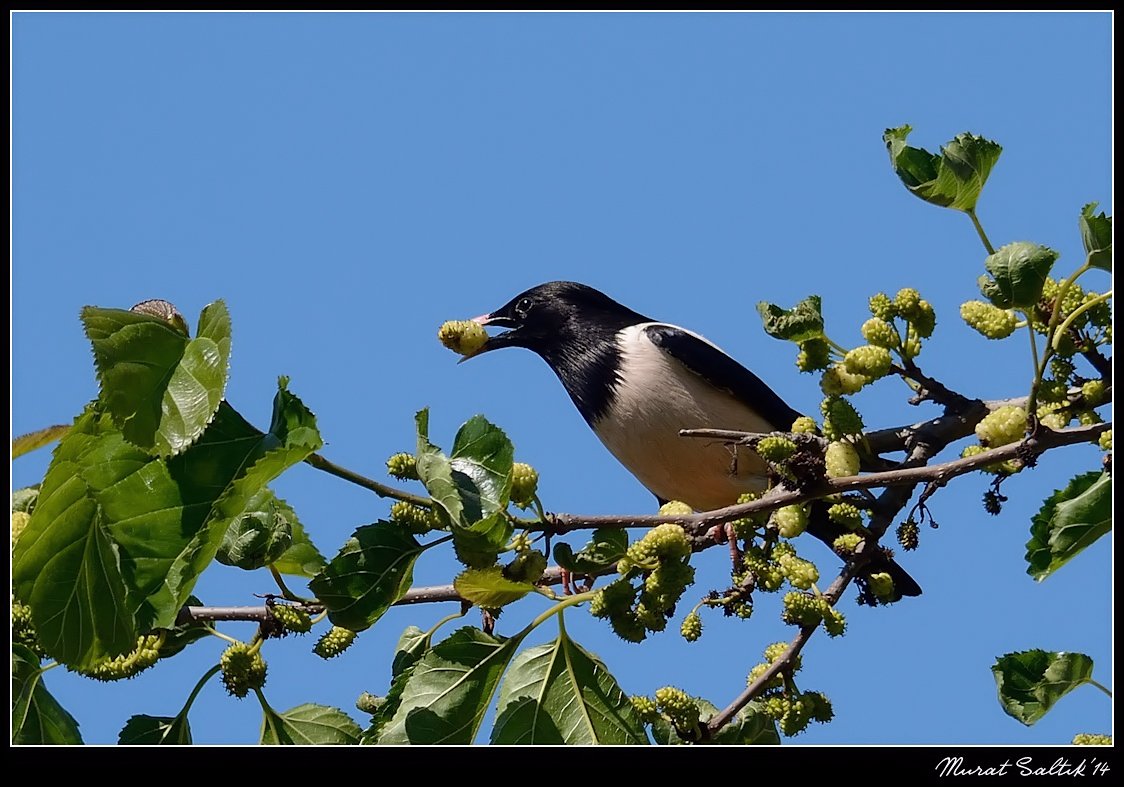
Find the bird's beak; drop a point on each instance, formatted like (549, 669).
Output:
(505, 339)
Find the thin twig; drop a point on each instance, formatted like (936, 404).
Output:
(380, 489)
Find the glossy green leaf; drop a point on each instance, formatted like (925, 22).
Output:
(141, 730)
(1018, 272)
(302, 558)
(606, 546)
(32, 441)
(953, 179)
(412, 645)
(481, 461)
(307, 725)
(489, 588)
(1070, 520)
(1032, 681)
(373, 570)
(119, 537)
(161, 387)
(449, 690)
(478, 546)
(259, 535)
(37, 717)
(436, 473)
(472, 486)
(802, 322)
(561, 693)
(1096, 236)
(66, 566)
(216, 479)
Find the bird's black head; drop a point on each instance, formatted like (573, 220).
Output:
(574, 328)
(556, 319)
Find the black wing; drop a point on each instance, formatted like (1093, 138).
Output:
(722, 371)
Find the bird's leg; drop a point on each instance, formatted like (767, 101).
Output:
(732, 540)
(567, 588)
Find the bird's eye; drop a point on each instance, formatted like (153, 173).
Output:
(523, 308)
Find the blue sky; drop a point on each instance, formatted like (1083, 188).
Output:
(346, 182)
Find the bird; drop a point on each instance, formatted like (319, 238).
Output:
(638, 381)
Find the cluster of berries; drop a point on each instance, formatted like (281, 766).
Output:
(660, 560)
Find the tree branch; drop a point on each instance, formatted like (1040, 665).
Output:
(890, 502)
(727, 714)
(1099, 362)
(260, 613)
(933, 389)
(947, 428)
(908, 474)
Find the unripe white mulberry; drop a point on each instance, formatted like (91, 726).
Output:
(464, 337)
(988, 319)
(1002, 426)
(841, 460)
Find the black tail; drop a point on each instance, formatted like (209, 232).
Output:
(820, 526)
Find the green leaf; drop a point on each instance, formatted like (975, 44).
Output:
(606, 546)
(65, 565)
(259, 535)
(1096, 235)
(489, 588)
(954, 179)
(1018, 271)
(472, 486)
(412, 645)
(229, 449)
(1032, 681)
(161, 387)
(37, 717)
(449, 690)
(309, 724)
(26, 443)
(1070, 520)
(561, 693)
(750, 727)
(302, 558)
(373, 570)
(802, 322)
(119, 537)
(481, 461)
(144, 730)
(181, 635)
(478, 546)
(436, 473)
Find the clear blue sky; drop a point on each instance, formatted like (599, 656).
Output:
(346, 182)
